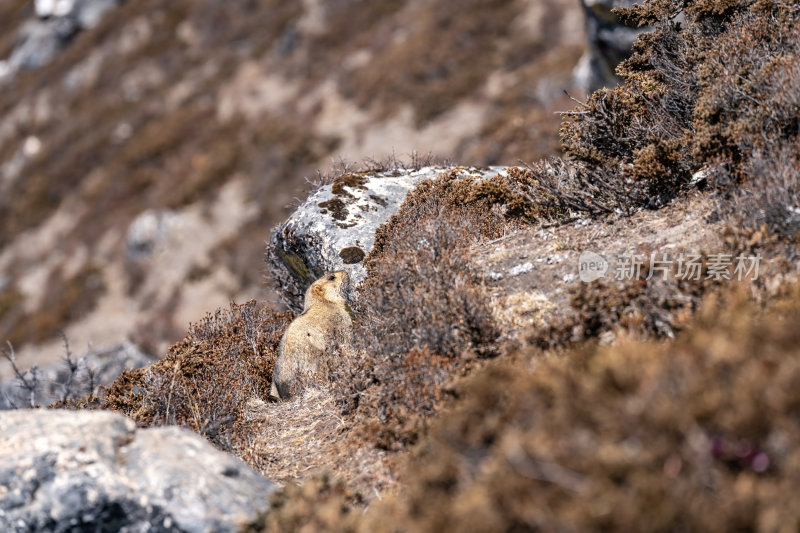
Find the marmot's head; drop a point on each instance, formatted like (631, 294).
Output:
(329, 288)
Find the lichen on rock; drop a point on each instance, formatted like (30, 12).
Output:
(334, 229)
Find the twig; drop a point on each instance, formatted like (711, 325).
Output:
(91, 374)
(31, 385)
(72, 367)
(171, 387)
(582, 104)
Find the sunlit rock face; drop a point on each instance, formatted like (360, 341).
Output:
(334, 229)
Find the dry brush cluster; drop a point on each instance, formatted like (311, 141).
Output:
(206, 381)
(713, 88)
(641, 435)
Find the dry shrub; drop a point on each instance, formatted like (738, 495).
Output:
(717, 91)
(469, 203)
(699, 433)
(421, 316)
(393, 398)
(771, 197)
(66, 299)
(422, 293)
(641, 308)
(444, 57)
(206, 380)
(319, 504)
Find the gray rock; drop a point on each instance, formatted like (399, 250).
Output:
(89, 13)
(105, 365)
(148, 231)
(610, 42)
(334, 229)
(86, 13)
(94, 471)
(38, 43)
(57, 23)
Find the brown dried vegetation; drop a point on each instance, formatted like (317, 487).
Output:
(66, 299)
(698, 433)
(695, 433)
(640, 308)
(206, 380)
(129, 113)
(423, 316)
(717, 91)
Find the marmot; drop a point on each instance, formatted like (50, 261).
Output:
(306, 345)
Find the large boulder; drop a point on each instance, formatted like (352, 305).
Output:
(94, 471)
(334, 229)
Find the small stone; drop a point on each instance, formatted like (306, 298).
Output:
(495, 276)
(352, 255)
(521, 269)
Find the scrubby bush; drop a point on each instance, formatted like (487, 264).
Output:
(206, 380)
(714, 87)
(319, 504)
(639, 308)
(634, 437)
(421, 291)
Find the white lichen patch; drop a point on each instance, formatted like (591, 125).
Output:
(336, 224)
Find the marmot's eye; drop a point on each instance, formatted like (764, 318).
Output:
(331, 278)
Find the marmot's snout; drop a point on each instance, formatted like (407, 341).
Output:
(341, 281)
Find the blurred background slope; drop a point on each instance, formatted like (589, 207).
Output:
(147, 147)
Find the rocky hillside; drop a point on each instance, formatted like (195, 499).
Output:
(147, 149)
(600, 340)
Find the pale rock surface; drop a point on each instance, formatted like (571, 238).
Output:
(94, 471)
(57, 23)
(334, 229)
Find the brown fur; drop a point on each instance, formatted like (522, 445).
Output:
(305, 349)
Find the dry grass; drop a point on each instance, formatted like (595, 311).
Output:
(294, 440)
